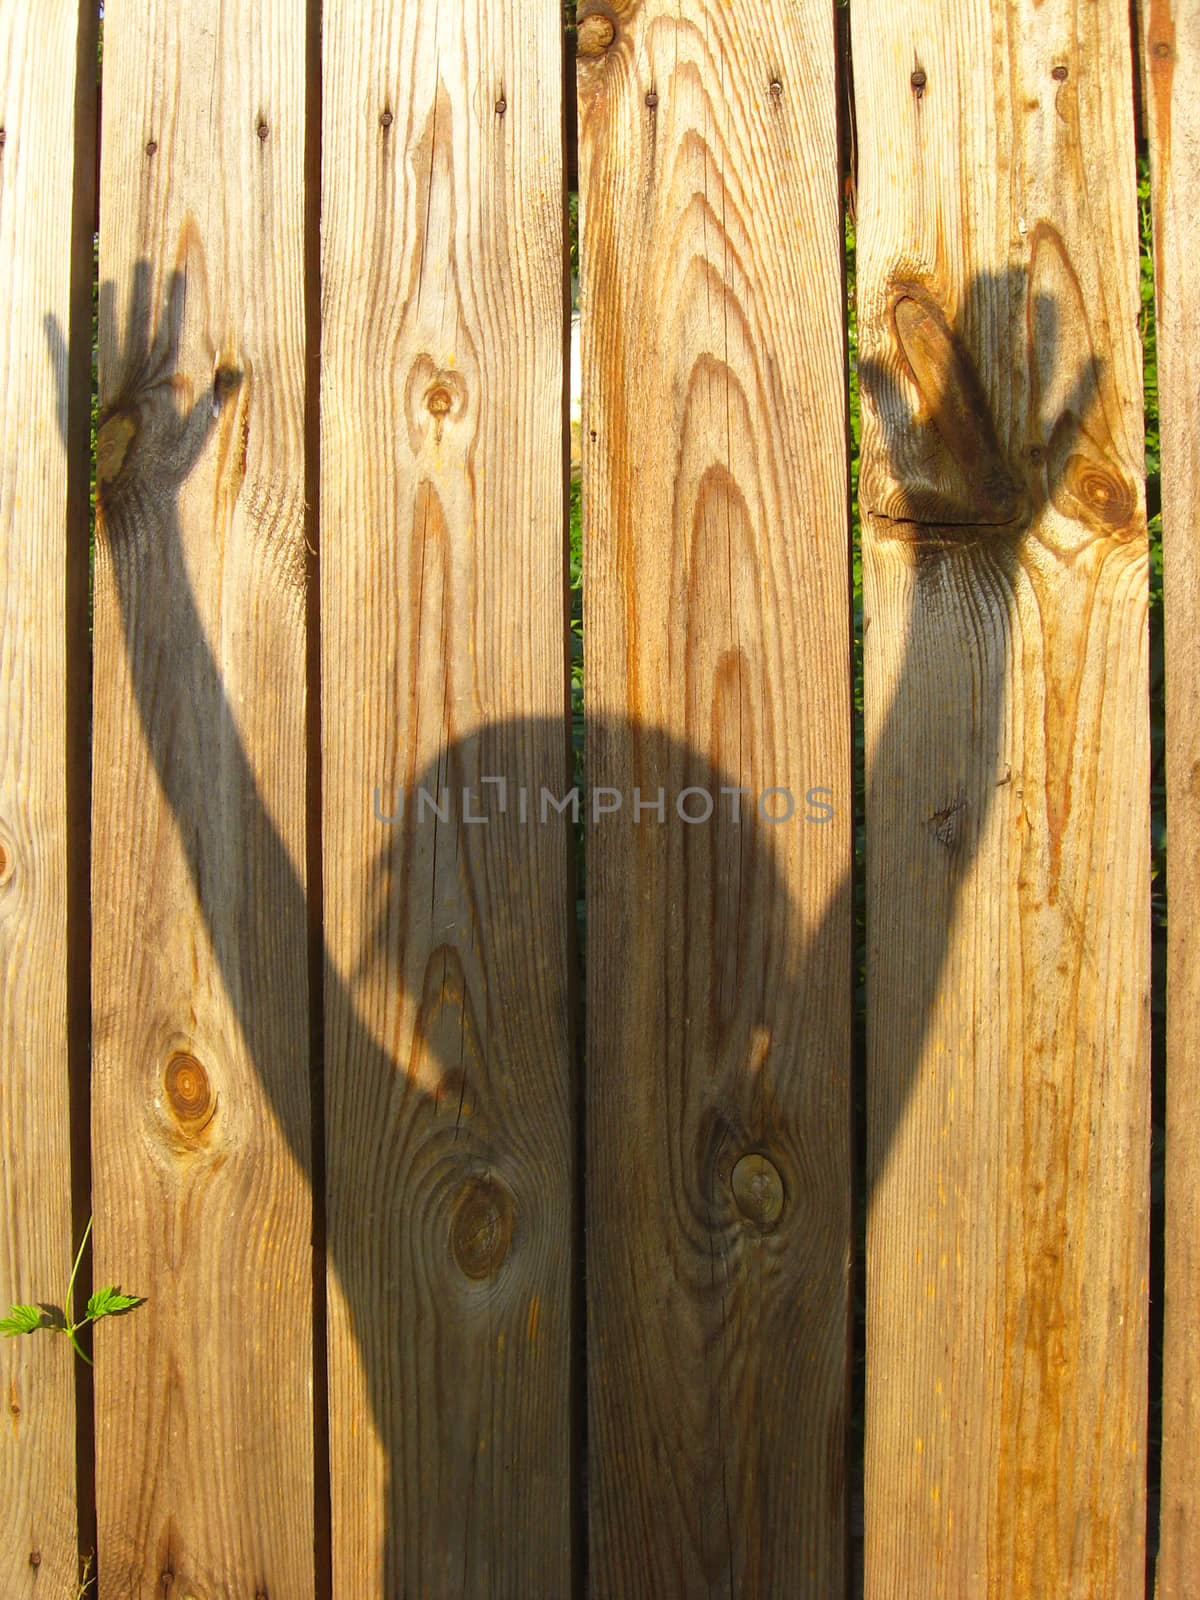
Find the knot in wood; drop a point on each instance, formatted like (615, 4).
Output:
(596, 34)
(113, 439)
(758, 1191)
(439, 401)
(482, 1227)
(1104, 498)
(949, 821)
(188, 1089)
(226, 381)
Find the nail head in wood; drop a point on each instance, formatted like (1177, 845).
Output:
(482, 1229)
(758, 1191)
(596, 33)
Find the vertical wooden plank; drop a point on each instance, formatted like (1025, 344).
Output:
(1171, 55)
(47, 146)
(1008, 793)
(201, 1089)
(719, 982)
(449, 1126)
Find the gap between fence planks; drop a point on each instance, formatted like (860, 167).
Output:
(1005, 615)
(448, 995)
(1171, 75)
(201, 1029)
(47, 143)
(719, 980)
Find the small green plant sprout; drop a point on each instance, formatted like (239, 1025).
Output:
(87, 1578)
(107, 1302)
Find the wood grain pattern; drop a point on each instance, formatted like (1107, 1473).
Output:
(1005, 566)
(1171, 60)
(47, 144)
(719, 984)
(449, 1057)
(201, 1087)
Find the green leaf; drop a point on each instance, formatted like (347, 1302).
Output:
(110, 1302)
(23, 1319)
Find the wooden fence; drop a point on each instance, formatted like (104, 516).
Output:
(447, 1291)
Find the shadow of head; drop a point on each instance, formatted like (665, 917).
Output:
(704, 888)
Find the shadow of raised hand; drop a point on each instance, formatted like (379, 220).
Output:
(146, 406)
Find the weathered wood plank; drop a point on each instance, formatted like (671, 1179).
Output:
(1171, 56)
(719, 981)
(201, 1119)
(47, 151)
(1008, 789)
(449, 1120)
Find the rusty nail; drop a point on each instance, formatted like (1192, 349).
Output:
(35, 1558)
(1059, 74)
(776, 88)
(152, 148)
(263, 130)
(652, 99)
(918, 79)
(501, 106)
(386, 120)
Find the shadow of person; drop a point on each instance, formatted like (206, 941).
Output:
(718, 1198)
